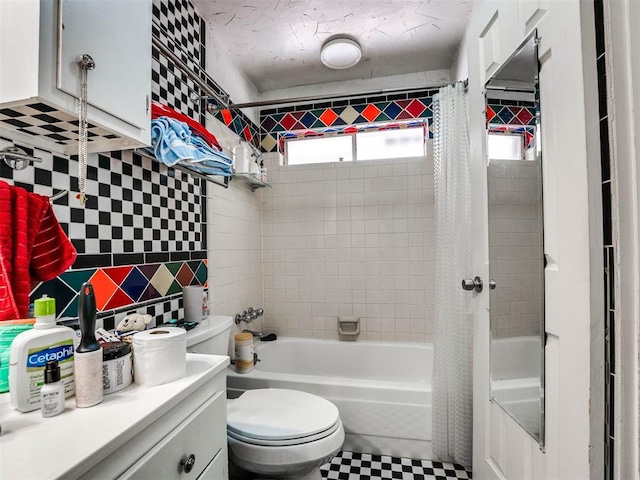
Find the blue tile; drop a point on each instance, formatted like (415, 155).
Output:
(134, 284)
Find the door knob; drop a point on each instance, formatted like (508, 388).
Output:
(475, 284)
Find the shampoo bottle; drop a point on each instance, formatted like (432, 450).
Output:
(52, 392)
(30, 352)
(88, 361)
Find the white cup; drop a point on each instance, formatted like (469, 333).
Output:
(192, 301)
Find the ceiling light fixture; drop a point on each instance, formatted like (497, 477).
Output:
(340, 53)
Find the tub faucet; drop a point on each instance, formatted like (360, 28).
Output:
(248, 315)
(254, 333)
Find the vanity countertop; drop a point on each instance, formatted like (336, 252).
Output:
(65, 446)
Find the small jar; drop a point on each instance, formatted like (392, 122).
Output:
(116, 366)
(244, 352)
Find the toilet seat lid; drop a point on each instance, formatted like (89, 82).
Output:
(279, 414)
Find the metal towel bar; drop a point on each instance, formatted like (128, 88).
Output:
(17, 159)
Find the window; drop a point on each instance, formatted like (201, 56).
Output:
(319, 150)
(502, 146)
(407, 142)
(371, 143)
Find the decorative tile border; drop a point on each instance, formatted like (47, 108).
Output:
(358, 111)
(507, 112)
(240, 124)
(124, 286)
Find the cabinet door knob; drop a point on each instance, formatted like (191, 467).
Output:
(188, 463)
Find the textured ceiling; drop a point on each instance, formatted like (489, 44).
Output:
(277, 42)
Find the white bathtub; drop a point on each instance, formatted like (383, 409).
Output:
(516, 364)
(383, 390)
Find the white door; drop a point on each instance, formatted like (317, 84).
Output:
(502, 449)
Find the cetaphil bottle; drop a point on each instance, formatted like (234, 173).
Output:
(30, 352)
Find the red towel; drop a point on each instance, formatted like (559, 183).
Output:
(160, 110)
(33, 246)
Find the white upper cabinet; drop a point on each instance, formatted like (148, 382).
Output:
(40, 44)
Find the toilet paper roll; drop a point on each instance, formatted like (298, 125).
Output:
(192, 299)
(159, 356)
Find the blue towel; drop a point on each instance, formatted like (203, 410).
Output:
(173, 142)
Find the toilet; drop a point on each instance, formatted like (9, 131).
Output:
(272, 433)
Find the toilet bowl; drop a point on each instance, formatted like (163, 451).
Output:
(274, 433)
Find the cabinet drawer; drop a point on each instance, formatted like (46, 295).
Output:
(218, 469)
(202, 435)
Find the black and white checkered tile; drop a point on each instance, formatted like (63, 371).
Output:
(134, 203)
(365, 466)
(180, 28)
(39, 119)
(170, 308)
(180, 22)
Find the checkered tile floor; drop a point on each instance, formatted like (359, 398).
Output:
(364, 466)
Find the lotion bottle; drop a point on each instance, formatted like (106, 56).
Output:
(30, 352)
(88, 361)
(52, 392)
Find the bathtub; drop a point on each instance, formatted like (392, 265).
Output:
(516, 364)
(383, 390)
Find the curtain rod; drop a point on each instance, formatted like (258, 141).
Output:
(212, 107)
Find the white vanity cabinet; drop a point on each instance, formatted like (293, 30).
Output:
(173, 431)
(40, 43)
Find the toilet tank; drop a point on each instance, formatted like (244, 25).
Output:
(211, 336)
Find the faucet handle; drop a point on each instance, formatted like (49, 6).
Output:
(240, 317)
(259, 312)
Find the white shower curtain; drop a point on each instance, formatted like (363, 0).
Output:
(453, 334)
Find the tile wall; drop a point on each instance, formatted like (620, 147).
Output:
(142, 235)
(515, 246)
(350, 239)
(235, 229)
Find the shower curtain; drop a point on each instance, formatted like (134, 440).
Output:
(453, 333)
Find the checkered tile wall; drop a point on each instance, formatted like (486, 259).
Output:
(141, 235)
(180, 28)
(39, 119)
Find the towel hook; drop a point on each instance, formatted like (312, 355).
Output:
(17, 159)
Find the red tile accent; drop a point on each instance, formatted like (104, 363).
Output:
(490, 113)
(288, 121)
(185, 275)
(227, 117)
(328, 117)
(514, 111)
(119, 299)
(103, 288)
(403, 103)
(525, 116)
(371, 112)
(117, 274)
(415, 108)
(404, 115)
(247, 134)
